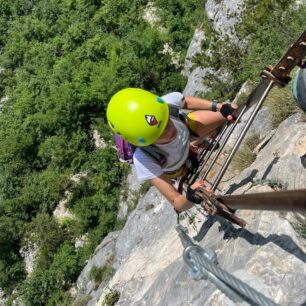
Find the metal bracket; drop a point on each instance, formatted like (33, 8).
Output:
(214, 206)
(294, 56)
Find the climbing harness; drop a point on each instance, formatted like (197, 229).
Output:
(225, 205)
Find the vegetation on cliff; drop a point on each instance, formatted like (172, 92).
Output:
(60, 63)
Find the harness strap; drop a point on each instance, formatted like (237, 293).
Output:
(190, 165)
(156, 153)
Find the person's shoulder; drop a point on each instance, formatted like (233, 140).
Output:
(137, 155)
(140, 156)
(174, 98)
(145, 163)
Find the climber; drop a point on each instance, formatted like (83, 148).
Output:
(142, 118)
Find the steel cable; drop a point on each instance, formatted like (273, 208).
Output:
(203, 265)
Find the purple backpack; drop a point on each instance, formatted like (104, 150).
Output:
(125, 149)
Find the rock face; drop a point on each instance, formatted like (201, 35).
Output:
(98, 140)
(3, 300)
(282, 159)
(143, 251)
(268, 254)
(195, 85)
(224, 15)
(61, 212)
(29, 255)
(87, 287)
(261, 126)
(129, 197)
(195, 75)
(194, 48)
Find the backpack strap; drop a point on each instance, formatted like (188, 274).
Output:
(158, 154)
(174, 111)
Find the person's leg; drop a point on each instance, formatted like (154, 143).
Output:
(204, 123)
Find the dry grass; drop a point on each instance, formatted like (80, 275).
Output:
(253, 141)
(281, 104)
(243, 158)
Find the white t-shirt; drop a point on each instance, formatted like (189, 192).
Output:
(146, 166)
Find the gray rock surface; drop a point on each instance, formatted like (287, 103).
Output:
(98, 140)
(102, 256)
(262, 125)
(282, 159)
(195, 86)
(224, 15)
(129, 195)
(267, 254)
(29, 254)
(3, 299)
(195, 75)
(194, 48)
(148, 223)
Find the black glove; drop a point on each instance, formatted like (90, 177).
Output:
(192, 196)
(226, 110)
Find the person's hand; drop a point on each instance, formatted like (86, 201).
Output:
(192, 195)
(229, 110)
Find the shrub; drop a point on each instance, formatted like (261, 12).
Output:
(47, 286)
(300, 225)
(111, 298)
(82, 301)
(100, 274)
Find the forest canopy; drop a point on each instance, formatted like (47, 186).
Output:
(60, 63)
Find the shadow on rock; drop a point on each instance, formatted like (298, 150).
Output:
(303, 162)
(246, 180)
(269, 168)
(285, 242)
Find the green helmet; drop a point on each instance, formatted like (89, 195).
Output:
(137, 115)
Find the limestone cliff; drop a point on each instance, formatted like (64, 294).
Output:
(269, 255)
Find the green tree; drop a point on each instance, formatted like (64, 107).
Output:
(11, 267)
(63, 60)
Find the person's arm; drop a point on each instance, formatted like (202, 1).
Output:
(194, 103)
(228, 110)
(177, 200)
